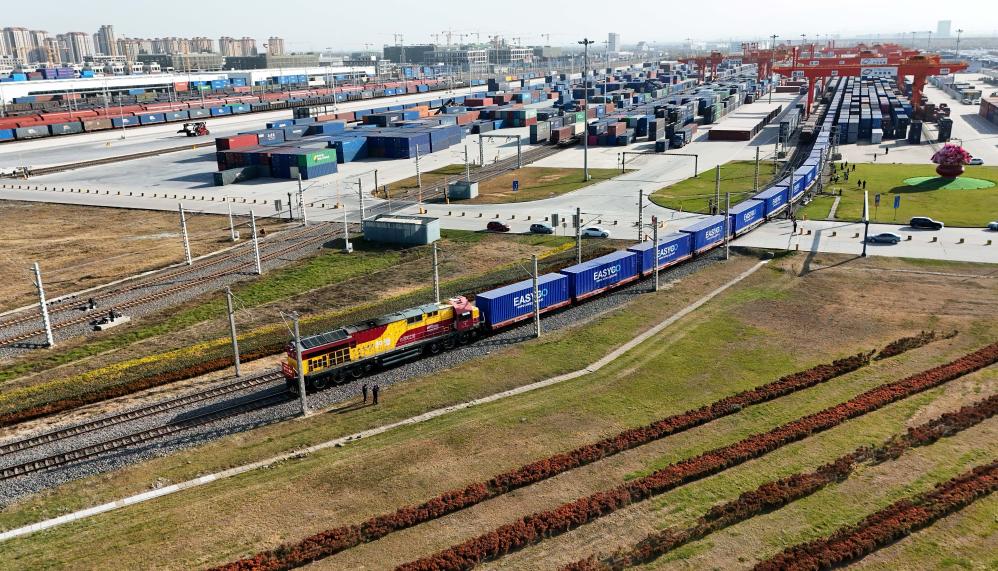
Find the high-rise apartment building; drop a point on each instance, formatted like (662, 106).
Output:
(19, 43)
(613, 42)
(275, 46)
(78, 46)
(943, 28)
(105, 41)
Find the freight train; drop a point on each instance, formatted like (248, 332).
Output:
(352, 352)
(50, 124)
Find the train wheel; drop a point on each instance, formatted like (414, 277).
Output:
(320, 383)
(356, 372)
(434, 348)
(450, 343)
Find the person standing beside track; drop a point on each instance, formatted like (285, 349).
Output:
(374, 393)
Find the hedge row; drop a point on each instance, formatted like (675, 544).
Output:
(536, 527)
(908, 343)
(338, 539)
(779, 493)
(887, 525)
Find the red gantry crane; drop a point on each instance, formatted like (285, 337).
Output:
(918, 67)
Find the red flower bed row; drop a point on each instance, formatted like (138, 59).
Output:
(904, 344)
(887, 525)
(338, 539)
(536, 527)
(776, 494)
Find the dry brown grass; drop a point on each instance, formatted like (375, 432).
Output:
(83, 246)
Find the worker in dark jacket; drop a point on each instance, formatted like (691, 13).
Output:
(374, 392)
(363, 390)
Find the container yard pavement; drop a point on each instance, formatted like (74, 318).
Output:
(610, 201)
(840, 238)
(75, 148)
(979, 137)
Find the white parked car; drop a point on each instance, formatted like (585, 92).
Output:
(976, 161)
(595, 232)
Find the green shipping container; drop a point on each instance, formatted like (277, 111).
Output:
(580, 117)
(319, 157)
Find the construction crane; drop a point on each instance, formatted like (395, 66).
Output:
(705, 63)
(918, 67)
(547, 39)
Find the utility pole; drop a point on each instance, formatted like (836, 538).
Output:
(467, 166)
(301, 202)
(717, 189)
(347, 246)
(958, 33)
(866, 220)
(772, 60)
(290, 208)
(537, 300)
(755, 184)
(586, 42)
(301, 373)
(519, 152)
(360, 190)
(232, 225)
(232, 329)
(436, 274)
(419, 176)
(481, 150)
(727, 225)
(256, 244)
(49, 340)
(578, 235)
(183, 231)
(654, 232)
(641, 212)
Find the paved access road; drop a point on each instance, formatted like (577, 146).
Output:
(841, 238)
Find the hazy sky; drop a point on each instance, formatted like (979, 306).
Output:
(350, 24)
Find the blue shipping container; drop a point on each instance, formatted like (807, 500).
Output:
(6, 134)
(672, 249)
(150, 118)
(124, 121)
(217, 111)
(176, 115)
(746, 216)
(512, 303)
(66, 128)
(280, 124)
(600, 274)
(198, 113)
(774, 199)
(707, 233)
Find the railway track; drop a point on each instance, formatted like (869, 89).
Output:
(55, 307)
(200, 419)
(142, 412)
(165, 292)
(116, 159)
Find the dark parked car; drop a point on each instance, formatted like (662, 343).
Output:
(884, 238)
(496, 226)
(925, 223)
(541, 228)
(993, 226)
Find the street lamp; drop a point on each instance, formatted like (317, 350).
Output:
(772, 61)
(928, 42)
(586, 42)
(958, 32)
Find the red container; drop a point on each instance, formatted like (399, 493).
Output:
(478, 101)
(236, 142)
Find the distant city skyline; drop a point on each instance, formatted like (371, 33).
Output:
(356, 26)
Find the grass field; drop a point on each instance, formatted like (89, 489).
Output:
(783, 318)
(324, 287)
(535, 183)
(83, 246)
(695, 194)
(973, 208)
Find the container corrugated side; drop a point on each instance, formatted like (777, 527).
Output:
(746, 215)
(707, 233)
(672, 249)
(600, 274)
(507, 305)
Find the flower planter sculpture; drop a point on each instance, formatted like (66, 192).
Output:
(950, 160)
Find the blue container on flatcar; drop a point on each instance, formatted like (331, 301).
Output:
(6, 134)
(799, 184)
(507, 305)
(219, 111)
(706, 233)
(672, 249)
(176, 115)
(198, 113)
(746, 216)
(69, 128)
(807, 173)
(35, 132)
(151, 118)
(600, 274)
(124, 121)
(775, 200)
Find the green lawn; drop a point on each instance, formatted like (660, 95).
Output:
(762, 328)
(534, 183)
(694, 194)
(973, 208)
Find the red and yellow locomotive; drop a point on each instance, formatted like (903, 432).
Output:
(351, 352)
